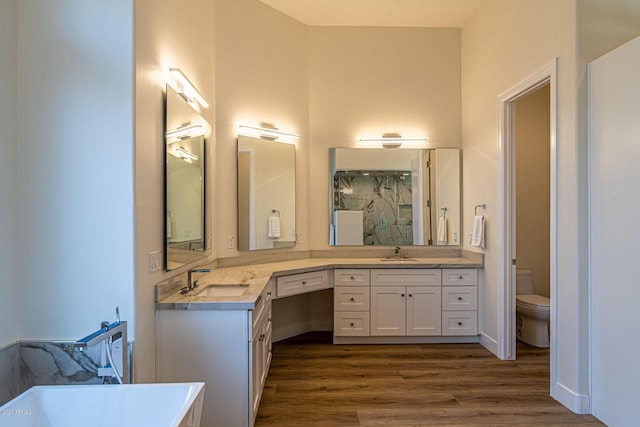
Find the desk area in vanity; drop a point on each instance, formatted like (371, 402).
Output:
(225, 339)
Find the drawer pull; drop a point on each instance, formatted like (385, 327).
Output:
(352, 325)
(459, 298)
(353, 277)
(410, 295)
(352, 299)
(304, 282)
(402, 295)
(460, 277)
(459, 323)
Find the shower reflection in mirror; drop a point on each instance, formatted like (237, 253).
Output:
(395, 197)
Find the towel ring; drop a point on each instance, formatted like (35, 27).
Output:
(483, 206)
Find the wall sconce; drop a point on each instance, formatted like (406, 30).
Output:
(394, 140)
(186, 89)
(268, 131)
(185, 132)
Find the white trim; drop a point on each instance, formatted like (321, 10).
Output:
(489, 343)
(506, 252)
(578, 403)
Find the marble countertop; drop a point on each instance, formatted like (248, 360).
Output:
(254, 278)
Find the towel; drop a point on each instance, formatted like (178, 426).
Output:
(274, 227)
(477, 237)
(442, 229)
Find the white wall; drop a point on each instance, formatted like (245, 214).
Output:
(369, 81)
(75, 166)
(166, 36)
(614, 231)
(261, 76)
(9, 285)
(532, 187)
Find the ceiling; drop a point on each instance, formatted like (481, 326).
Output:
(379, 13)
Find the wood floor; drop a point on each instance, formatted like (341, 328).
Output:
(314, 383)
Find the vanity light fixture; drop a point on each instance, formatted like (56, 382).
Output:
(186, 89)
(184, 153)
(185, 132)
(268, 131)
(394, 140)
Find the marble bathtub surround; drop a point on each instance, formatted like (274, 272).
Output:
(256, 277)
(9, 372)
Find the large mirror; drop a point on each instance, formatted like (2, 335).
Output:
(266, 194)
(395, 197)
(185, 139)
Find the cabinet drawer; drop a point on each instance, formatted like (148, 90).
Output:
(302, 283)
(460, 276)
(459, 323)
(351, 298)
(351, 324)
(407, 277)
(351, 277)
(459, 298)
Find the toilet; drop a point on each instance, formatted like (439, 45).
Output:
(532, 312)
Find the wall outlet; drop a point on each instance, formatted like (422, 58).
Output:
(231, 242)
(299, 239)
(155, 261)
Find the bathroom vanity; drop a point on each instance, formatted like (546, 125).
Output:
(221, 333)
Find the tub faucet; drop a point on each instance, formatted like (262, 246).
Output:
(108, 333)
(192, 285)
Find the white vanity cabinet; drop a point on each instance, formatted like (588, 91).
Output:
(228, 349)
(459, 302)
(406, 302)
(302, 283)
(351, 299)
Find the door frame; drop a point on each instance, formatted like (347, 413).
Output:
(506, 341)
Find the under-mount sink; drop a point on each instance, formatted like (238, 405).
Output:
(398, 260)
(222, 291)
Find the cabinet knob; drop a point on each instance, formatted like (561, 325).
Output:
(460, 277)
(304, 282)
(352, 299)
(352, 325)
(402, 295)
(353, 277)
(268, 293)
(410, 295)
(459, 298)
(459, 323)
(269, 319)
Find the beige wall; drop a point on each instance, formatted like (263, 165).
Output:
(532, 187)
(261, 76)
(163, 41)
(9, 286)
(370, 81)
(505, 42)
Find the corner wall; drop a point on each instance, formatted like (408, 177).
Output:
(165, 36)
(9, 285)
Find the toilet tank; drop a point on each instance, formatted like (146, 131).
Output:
(524, 282)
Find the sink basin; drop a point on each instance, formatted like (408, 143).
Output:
(222, 291)
(171, 404)
(398, 260)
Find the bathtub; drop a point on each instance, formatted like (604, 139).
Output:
(139, 405)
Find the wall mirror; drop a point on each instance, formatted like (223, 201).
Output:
(266, 194)
(394, 197)
(186, 134)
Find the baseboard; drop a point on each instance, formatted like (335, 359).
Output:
(578, 403)
(489, 343)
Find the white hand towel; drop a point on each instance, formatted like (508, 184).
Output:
(442, 229)
(477, 237)
(274, 227)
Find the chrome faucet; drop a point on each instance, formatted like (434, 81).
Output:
(192, 285)
(108, 333)
(396, 251)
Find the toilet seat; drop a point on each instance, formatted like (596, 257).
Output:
(533, 301)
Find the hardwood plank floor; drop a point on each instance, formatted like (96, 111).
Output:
(315, 383)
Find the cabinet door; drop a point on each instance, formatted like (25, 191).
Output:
(423, 311)
(257, 361)
(388, 311)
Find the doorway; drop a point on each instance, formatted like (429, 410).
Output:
(544, 77)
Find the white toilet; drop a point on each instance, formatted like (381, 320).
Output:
(532, 312)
